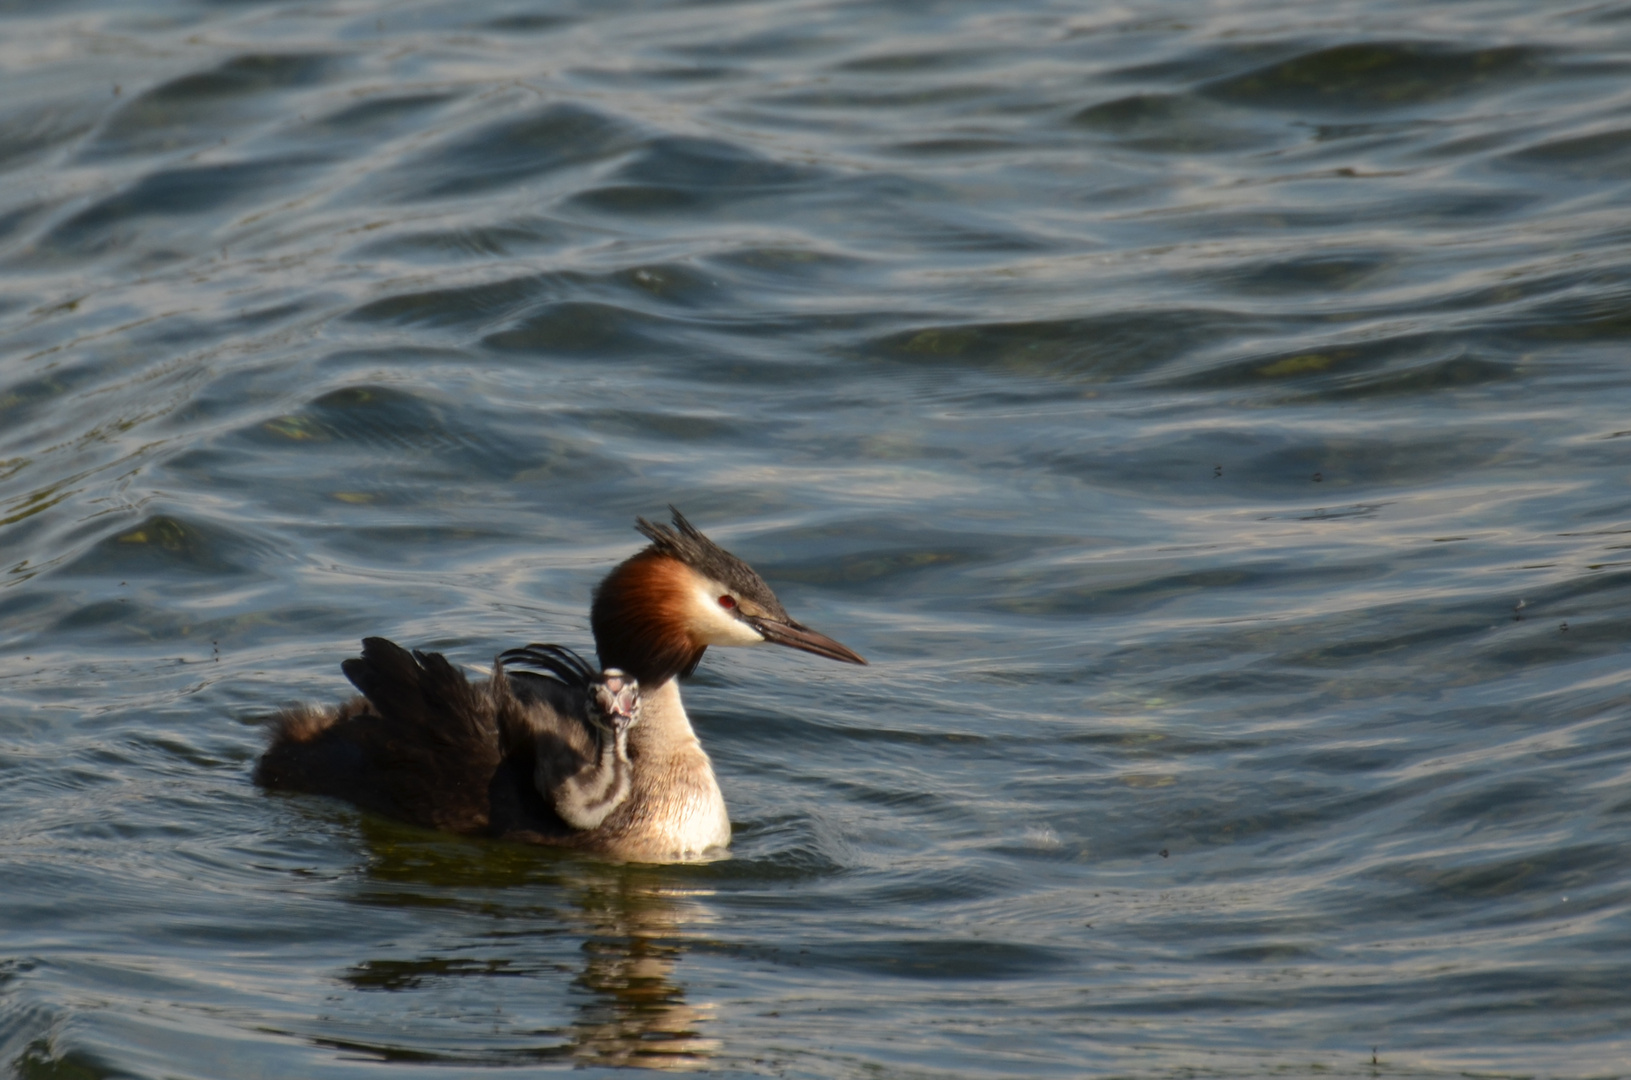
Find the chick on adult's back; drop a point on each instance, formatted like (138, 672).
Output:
(548, 750)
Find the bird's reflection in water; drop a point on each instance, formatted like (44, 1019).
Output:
(632, 920)
(638, 1014)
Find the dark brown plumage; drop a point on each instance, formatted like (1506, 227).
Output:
(426, 746)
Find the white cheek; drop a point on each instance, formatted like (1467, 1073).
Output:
(713, 625)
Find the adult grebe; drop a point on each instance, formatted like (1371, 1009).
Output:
(548, 750)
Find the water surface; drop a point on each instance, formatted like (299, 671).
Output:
(1211, 420)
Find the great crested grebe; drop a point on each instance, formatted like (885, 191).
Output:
(548, 750)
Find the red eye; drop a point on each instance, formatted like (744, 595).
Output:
(727, 602)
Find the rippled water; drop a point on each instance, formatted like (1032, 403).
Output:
(1213, 421)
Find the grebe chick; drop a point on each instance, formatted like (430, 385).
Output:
(548, 750)
(584, 789)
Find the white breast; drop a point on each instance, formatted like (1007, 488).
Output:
(687, 811)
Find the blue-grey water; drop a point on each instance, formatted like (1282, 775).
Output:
(1213, 420)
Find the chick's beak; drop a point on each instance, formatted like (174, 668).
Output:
(795, 636)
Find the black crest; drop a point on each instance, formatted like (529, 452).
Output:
(686, 543)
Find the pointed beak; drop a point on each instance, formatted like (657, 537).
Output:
(791, 634)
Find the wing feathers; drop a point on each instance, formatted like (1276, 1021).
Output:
(425, 746)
